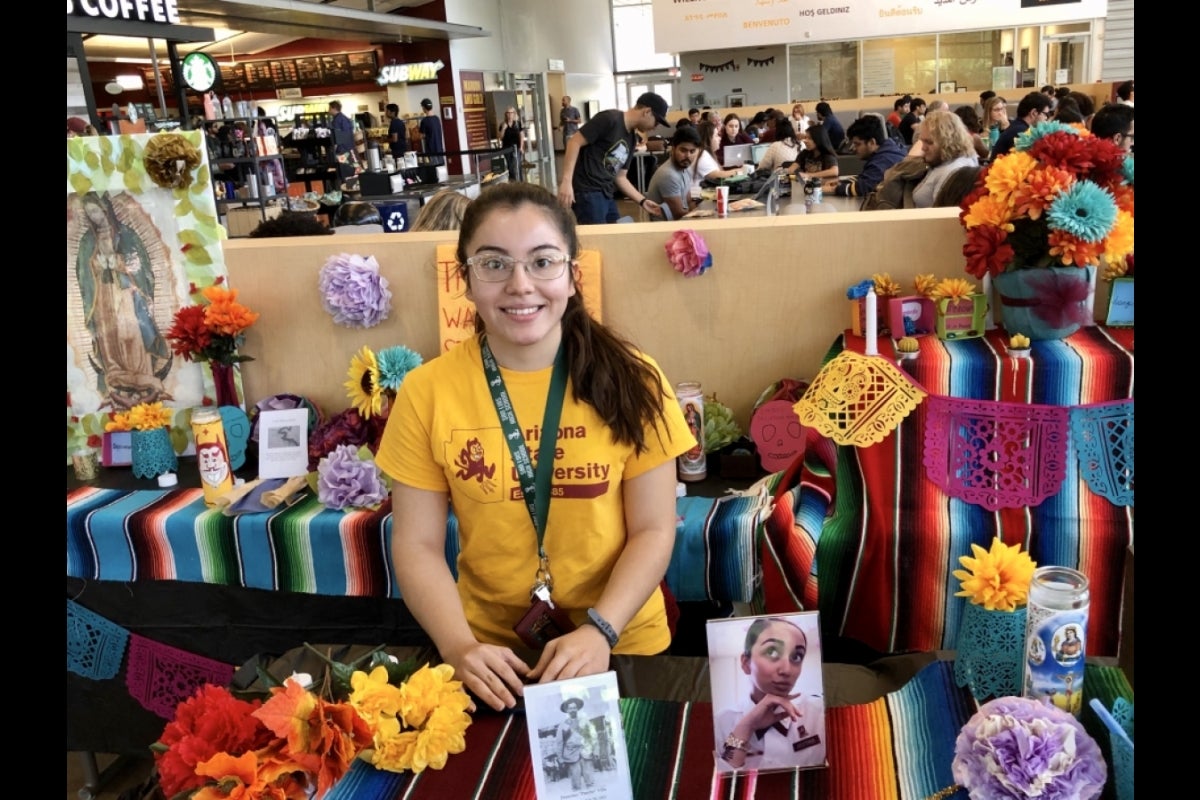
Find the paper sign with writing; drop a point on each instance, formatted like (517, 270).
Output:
(1120, 303)
(456, 314)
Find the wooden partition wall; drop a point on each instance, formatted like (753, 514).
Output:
(769, 308)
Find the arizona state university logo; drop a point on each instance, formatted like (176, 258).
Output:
(472, 464)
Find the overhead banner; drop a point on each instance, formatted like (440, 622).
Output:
(690, 25)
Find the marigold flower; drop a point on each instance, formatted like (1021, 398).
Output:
(1039, 191)
(988, 210)
(223, 314)
(953, 288)
(885, 286)
(1071, 250)
(998, 578)
(1007, 173)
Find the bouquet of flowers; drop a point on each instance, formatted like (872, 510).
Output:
(142, 417)
(212, 332)
(299, 742)
(1061, 197)
(1015, 748)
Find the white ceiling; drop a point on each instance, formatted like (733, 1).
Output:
(249, 27)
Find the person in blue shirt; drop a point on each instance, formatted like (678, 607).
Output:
(877, 151)
(1033, 108)
(397, 131)
(825, 116)
(343, 128)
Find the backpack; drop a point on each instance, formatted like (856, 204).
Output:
(896, 188)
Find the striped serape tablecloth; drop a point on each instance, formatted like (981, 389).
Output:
(170, 535)
(898, 747)
(887, 538)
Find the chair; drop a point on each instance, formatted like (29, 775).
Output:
(956, 187)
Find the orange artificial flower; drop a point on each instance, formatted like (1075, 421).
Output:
(224, 314)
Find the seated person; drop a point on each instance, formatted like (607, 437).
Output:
(706, 167)
(818, 159)
(911, 120)
(290, 223)
(784, 150)
(732, 133)
(833, 126)
(946, 148)
(672, 182)
(357, 216)
(877, 152)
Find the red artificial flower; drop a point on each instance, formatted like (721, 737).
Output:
(211, 721)
(1066, 151)
(987, 250)
(189, 335)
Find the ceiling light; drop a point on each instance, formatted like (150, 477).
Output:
(131, 82)
(112, 87)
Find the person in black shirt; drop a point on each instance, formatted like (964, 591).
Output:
(912, 118)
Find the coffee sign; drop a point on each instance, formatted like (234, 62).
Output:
(164, 11)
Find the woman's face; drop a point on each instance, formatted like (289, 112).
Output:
(732, 127)
(95, 213)
(999, 112)
(807, 141)
(716, 139)
(522, 311)
(776, 659)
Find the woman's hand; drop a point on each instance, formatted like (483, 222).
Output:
(492, 673)
(583, 651)
(766, 712)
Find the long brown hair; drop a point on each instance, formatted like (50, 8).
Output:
(606, 371)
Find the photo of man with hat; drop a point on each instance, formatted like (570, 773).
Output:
(597, 159)
(576, 740)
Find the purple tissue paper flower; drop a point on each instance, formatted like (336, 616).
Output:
(1016, 748)
(344, 480)
(354, 292)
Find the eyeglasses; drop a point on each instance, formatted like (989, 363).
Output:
(495, 268)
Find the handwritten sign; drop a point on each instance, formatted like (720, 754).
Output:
(456, 313)
(1120, 303)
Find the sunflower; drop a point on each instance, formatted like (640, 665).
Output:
(954, 288)
(363, 386)
(997, 579)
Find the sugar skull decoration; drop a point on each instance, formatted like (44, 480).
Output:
(778, 434)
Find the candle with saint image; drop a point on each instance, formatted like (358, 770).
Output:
(871, 323)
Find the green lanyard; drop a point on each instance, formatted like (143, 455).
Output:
(535, 485)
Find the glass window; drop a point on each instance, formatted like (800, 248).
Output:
(913, 59)
(633, 38)
(968, 58)
(824, 70)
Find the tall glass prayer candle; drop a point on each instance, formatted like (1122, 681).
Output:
(212, 454)
(1056, 637)
(692, 465)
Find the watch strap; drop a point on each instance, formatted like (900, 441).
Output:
(603, 626)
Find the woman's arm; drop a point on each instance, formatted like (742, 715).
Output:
(649, 540)
(493, 673)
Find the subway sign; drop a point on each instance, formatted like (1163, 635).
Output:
(405, 73)
(164, 11)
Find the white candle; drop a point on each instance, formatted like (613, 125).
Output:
(872, 324)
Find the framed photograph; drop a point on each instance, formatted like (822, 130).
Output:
(697, 100)
(576, 739)
(1120, 303)
(768, 696)
(947, 87)
(735, 100)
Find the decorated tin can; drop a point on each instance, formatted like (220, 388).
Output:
(1056, 637)
(212, 454)
(692, 465)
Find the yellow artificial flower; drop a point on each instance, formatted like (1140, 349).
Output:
(997, 579)
(989, 210)
(149, 417)
(119, 422)
(954, 288)
(924, 283)
(1118, 245)
(373, 697)
(1008, 173)
(885, 286)
(363, 387)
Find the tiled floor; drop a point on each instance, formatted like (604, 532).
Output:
(125, 775)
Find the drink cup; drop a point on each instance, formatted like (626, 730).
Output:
(722, 201)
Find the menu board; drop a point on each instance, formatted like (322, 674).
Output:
(233, 77)
(308, 71)
(258, 75)
(336, 69)
(167, 78)
(284, 72)
(363, 66)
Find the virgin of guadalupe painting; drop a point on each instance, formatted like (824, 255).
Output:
(121, 267)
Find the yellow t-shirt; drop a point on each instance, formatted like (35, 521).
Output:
(443, 434)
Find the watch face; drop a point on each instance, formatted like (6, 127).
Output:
(199, 71)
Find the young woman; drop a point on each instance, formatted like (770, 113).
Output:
(463, 434)
(995, 118)
(785, 149)
(774, 727)
(512, 135)
(818, 159)
(731, 133)
(707, 166)
(975, 128)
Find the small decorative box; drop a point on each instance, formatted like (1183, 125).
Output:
(858, 319)
(915, 312)
(961, 318)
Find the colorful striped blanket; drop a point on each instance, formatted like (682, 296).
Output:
(898, 747)
(863, 534)
(170, 535)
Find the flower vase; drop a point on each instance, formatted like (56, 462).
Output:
(990, 648)
(225, 384)
(1049, 303)
(151, 453)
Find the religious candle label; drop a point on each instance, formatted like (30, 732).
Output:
(692, 465)
(1056, 637)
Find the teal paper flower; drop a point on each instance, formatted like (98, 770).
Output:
(1085, 211)
(1127, 170)
(1027, 139)
(394, 364)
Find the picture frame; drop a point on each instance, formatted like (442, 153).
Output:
(735, 101)
(577, 740)
(746, 664)
(947, 87)
(1120, 304)
(697, 100)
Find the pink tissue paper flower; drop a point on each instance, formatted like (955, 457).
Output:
(688, 253)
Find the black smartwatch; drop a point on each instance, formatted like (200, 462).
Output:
(602, 625)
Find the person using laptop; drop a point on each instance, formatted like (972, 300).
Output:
(672, 182)
(732, 134)
(706, 166)
(877, 151)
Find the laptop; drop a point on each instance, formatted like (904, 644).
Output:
(758, 151)
(737, 155)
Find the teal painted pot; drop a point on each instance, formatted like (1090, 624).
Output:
(151, 453)
(1049, 303)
